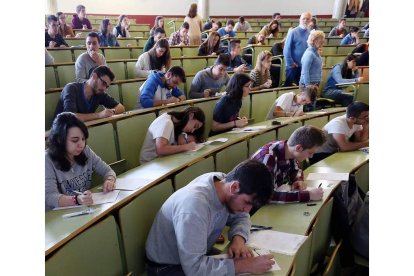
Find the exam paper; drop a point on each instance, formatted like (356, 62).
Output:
(328, 176)
(218, 140)
(98, 198)
(316, 113)
(247, 129)
(280, 242)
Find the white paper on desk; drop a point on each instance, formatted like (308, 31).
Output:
(316, 113)
(197, 147)
(98, 198)
(131, 183)
(247, 129)
(218, 140)
(280, 242)
(328, 176)
(275, 266)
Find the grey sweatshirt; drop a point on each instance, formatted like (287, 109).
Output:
(78, 178)
(204, 80)
(83, 65)
(188, 225)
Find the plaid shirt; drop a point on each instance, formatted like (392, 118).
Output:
(283, 171)
(175, 39)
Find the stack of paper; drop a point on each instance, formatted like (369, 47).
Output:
(98, 198)
(280, 242)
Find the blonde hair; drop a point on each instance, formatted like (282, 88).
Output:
(314, 35)
(262, 56)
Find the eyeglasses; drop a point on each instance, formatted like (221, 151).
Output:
(104, 82)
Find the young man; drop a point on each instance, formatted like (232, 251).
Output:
(52, 37)
(210, 80)
(340, 30)
(189, 222)
(352, 38)
(89, 60)
(79, 20)
(291, 104)
(295, 46)
(282, 159)
(84, 98)
(158, 34)
(181, 37)
(237, 63)
(242, 25)
(161, 88)
(228, 30)
(340, 130)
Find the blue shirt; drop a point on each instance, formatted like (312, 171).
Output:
(105, 41)
(295, 45)
(223, 32)
(311, 72)
(335, 77)
(347, 40)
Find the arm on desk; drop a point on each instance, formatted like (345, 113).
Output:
(345, 145)
(163, 147)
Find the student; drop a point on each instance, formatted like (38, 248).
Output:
(158, 58)
(282, 158)
(277, 48)
(260, 75)
(237, 63)
(89, 60)
(69, 164)
(291, 104)
(180, 37)
(121, 28)
(227, 31)
(352, 38)
(313, 25)
(311, 72)
(295, 46)
(242, 26)
(226, 110)
(84, 98)
(79, 20)
(189, 222)
(278, 17)
(271, 29)
(52, 37)
(106, 38)
(210, 46)
(64, 29)
(257, 39)
(162, 135)
(347, 132)
(342, 73)
(159, 23)
(161, 88)
(158, 34)
(196, 24)
(210, 80)
(339, 31)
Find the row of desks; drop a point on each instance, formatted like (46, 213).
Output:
(58, 231)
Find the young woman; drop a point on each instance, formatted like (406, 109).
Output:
(196, 25)
(271, 29)
(121, 28)
(342, 73)
(226, 111)
(64, 29)
(163, 133)
(311, 72)
(70, 164)
(260, 75)
(211, 45)
(158, 58)
(106, 38)
(291, 104)
(259, 39)
(159, 23)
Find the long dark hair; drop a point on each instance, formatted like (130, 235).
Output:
(57, 140)
(120, 18)
(184, 116)
(208, 44)
(235, 86)
(192, 12)
(275, 31)
(345, 71)
(165, 59)
(104, 27)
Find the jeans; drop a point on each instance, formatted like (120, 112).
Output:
(338, 96)
(292, 75)
(154, 269)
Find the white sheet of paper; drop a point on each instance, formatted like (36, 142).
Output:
(198, 147)
(328, 176)
(218, 140)
(131, 183)
(280, 242)
(98, 198)
(316, 113)
(247, 129)
(256, 253)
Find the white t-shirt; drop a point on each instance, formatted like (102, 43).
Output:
(285, 101)
(163, 126)
(337, 126)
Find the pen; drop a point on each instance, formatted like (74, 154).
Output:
(320, 185)
(76, 192)
(80, 213)
(259, 229)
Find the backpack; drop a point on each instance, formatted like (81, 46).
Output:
(360, 229)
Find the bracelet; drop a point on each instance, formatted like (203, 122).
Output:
(75, 200)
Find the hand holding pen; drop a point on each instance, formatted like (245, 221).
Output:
(84, 198)
(256, 228)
